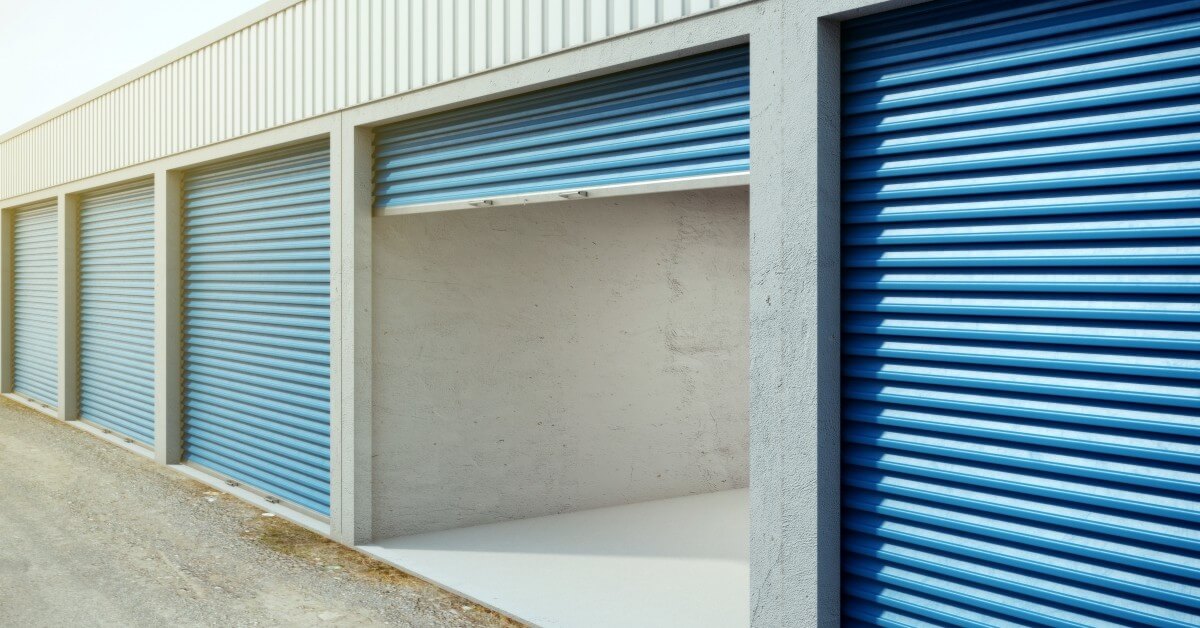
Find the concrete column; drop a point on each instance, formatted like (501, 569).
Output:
(794, 318)
(350, 333)
(168, 319)
(68, 307)
(6, 301)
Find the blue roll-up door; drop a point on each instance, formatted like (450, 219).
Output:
(680, 119)
(1021, 348)
(256, 321)
(116, 309)
(35, 303)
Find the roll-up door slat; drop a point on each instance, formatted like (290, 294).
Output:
(678, 119)
(1093, 553)
(256, 317)
(35, 303)
(1021, 314)
(116, 309)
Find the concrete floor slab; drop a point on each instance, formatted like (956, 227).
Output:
(672, 562)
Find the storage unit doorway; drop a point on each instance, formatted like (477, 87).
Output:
(35, 303)
(1021, 348)
(256, 322)
(116, 310)
(561, 389)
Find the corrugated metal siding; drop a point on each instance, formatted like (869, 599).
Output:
(1022, 314)
(684, 118)
(256, 322)
(35, 303)
(312, 58)
(116, 309)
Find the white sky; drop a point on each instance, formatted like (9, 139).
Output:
(54, 50)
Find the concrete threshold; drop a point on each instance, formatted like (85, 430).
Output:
(671, 562)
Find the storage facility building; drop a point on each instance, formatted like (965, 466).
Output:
(653, 312)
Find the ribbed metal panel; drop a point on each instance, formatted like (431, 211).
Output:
(685, 118)
(116, 309)
(35, 303)
(311, 58)
(256, 322)
(1021, 343)
(682, 118)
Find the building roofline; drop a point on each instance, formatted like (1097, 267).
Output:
(261, 12)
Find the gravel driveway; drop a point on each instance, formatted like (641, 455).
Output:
(91, 535)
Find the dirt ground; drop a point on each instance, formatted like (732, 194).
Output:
(92, 535)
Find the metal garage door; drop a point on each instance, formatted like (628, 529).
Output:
(35, 303)
(116, 309)
(685, 118)
(256, 320)
(1021, 344)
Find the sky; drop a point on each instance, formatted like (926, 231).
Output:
(52, 51)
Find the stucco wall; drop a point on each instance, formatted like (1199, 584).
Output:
(558, 357)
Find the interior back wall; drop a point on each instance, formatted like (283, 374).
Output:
(557, 357)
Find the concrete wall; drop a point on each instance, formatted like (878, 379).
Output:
(557, 357)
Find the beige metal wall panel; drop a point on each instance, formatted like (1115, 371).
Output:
(311, 58)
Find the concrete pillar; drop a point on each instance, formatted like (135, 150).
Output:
(68, 307)
(795, 309)
(794, 318)
(168, 279)
(6, 301)
(350, 333)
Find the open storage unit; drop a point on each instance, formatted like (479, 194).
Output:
(560, 389)
(564, 358)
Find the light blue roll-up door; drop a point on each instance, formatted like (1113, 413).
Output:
(256, 322)
(680, 119)
(116, 309)
(1021, 348)
(35, 303)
